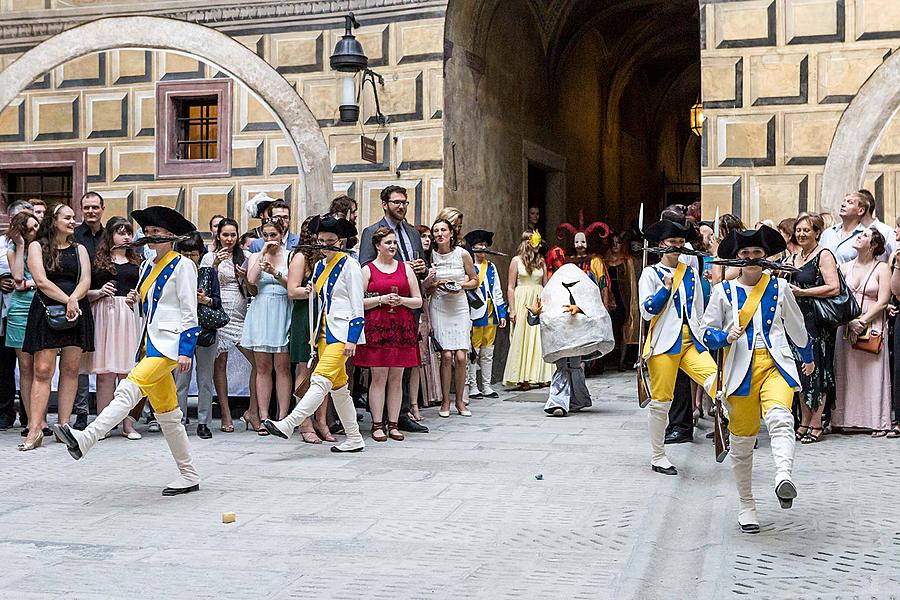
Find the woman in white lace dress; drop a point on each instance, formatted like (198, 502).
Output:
(454, 274)
(228, 260)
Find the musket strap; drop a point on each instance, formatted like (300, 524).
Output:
(677, 278)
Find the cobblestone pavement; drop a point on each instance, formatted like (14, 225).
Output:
(457, 513)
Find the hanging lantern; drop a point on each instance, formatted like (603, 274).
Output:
(697, 118)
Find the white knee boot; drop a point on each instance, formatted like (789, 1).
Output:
(126, 397)
(472, 380)
(658, 419)
(780, 423)
(742, 467)
(177, 439)
(319, 387)
(343, 406)
(487, 368)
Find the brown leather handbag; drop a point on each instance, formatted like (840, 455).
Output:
(868, 341)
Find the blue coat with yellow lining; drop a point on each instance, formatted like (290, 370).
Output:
(168, 310)
(339, 301)
(779, 319)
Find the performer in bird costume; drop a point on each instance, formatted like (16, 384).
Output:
(166, 301)
(575, 327)
(756, 320)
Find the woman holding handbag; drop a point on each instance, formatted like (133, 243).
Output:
(210, 317)
(816, 280)
(60, 322)
(862, 367)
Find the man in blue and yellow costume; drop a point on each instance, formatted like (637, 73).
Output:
(338, 288)
(167, 304)
(486, 318)
(756, 320)
(672, 300)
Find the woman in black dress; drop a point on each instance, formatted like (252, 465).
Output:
(62, 271)
(817, 278)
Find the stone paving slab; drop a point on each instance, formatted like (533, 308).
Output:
(454, 514)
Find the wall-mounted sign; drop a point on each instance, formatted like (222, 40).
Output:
(369, 149)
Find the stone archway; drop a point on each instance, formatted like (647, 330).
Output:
(858, 133)
(289, 109)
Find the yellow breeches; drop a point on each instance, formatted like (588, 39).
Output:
(483, 335)
(768, 389)
(664, 368)
(332, 364)
(153, 374)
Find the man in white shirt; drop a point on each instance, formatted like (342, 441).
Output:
(870, 220)
(839, 237)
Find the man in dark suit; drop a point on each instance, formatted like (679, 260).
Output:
(394, 203)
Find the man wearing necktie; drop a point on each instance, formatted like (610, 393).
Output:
(395, 203)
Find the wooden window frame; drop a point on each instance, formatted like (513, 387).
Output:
(167, 95)
(24, 160)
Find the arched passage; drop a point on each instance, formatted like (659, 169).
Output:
(858, 133)
(288, 108)
(604, 87)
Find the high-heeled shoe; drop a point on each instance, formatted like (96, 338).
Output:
(464, 412)
(444, 414)
(251, 420)
(35, 443)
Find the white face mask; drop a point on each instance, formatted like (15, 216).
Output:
(580, 241)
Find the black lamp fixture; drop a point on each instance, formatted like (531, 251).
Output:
(349, 59)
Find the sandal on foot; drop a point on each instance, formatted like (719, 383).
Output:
(894, 433)
(879, 433)
(801, 434)
(325, 437)
(310, 437)
(812, 438)
(378, 434)
(394, 432)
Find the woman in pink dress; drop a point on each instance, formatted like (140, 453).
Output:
(863, 379)
(392, 292)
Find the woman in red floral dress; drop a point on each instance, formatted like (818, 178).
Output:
(392, 293)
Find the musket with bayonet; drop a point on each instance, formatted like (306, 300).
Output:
(643, 374)
(720, 429)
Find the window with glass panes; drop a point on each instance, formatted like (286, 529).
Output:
(197, 128)
(51, 185)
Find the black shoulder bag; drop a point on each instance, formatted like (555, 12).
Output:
(836, 310)
(56, 313)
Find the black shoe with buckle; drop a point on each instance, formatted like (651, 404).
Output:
(203, 432)
(665, 470)
(178, 491)
(404, 423)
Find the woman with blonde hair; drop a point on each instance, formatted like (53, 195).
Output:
(525, 366)
(453, 216)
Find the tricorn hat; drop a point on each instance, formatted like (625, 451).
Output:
(165, 217)
(665, 229)
(765, 237)
(479, 236)
(329, 224)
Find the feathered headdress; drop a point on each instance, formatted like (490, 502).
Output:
(600, 228)
(257, 204)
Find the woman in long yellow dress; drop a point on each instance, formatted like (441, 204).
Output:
(525, 366)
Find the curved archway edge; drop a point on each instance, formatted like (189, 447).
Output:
(858, 132)
(290, 111)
